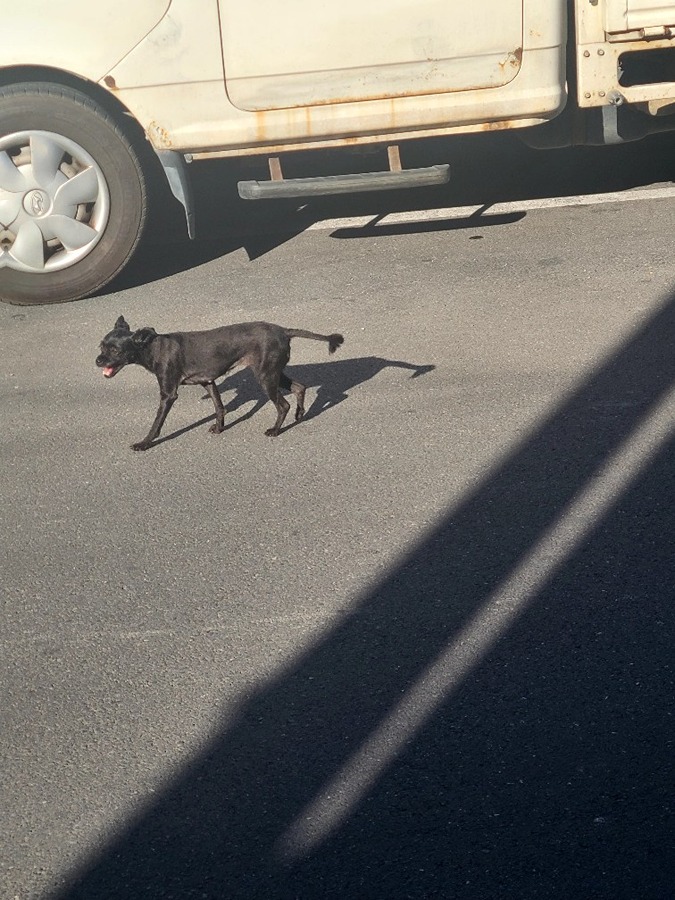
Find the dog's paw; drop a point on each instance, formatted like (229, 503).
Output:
(272, 432)
(141, 445)
(216, 429)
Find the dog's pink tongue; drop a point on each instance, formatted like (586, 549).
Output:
(108, 371)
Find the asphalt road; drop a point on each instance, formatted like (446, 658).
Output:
(419, 645)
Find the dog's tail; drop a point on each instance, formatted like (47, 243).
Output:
(334, 340)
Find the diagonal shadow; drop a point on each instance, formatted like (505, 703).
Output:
(547, 773)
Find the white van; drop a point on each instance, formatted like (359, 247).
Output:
(89, 90)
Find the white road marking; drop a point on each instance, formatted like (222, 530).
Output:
(465, 212)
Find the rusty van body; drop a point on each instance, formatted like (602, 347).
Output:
(91, 95)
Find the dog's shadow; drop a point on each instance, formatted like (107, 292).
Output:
(333, 381)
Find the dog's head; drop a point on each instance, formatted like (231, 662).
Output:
(122, 346)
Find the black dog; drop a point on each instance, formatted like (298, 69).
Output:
(199, 357)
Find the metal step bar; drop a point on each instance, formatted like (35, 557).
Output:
(395, 179)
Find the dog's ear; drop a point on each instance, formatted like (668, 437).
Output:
(122, 325)
(143, 336)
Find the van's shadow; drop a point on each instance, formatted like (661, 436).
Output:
(486, 169)
(333, 381)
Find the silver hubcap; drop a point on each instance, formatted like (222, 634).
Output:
(54, 202)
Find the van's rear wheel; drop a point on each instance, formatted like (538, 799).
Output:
(73, 198)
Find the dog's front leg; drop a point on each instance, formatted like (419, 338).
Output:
(165, 403)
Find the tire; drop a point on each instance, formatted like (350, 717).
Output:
(73, 197)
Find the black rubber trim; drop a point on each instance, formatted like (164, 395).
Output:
(344, 184)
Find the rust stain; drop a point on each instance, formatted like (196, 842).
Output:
(513, 60)
(502, 125)
(158, 136)
(109, 81)
(260, 126)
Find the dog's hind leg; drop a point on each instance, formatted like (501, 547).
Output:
(269, 372)
(299, 392)
(219, 424)
(282, 406)
(270, 384)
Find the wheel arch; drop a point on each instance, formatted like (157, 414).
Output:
(13, 75)
(166, 172)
